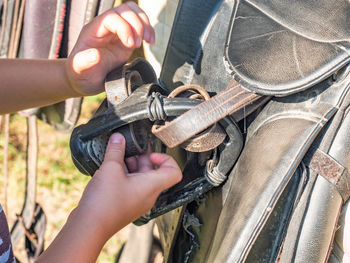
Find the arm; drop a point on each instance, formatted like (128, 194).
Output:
(104, 44)
(30, 83)
(113, 198)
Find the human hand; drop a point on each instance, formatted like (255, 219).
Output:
(104, 44)
(119, 193)
(116, 195)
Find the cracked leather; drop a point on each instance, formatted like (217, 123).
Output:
(271, 156)
(278, 48)
(270, 198)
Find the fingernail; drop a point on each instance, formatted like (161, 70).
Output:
(116, 138)
(130, 41)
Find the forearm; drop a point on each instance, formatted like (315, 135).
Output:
(27, 83)
(80, 240)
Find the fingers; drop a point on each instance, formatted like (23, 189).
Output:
(144, 162)
(131, 164)
(115, 24)
(115, 149)
(168, 173)
(140, 163)
(148, 34)
(133, 20)
(127, 21)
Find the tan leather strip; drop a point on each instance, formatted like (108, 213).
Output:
(205, 114)
(326, 166)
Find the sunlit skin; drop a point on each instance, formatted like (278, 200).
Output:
(104, 44)
(120, 191)
(113, 198)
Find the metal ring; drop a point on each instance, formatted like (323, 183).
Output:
(200, 90)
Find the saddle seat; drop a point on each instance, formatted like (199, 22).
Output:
(279, 48)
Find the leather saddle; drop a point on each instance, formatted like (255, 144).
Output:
(286, 173)
(276, 205)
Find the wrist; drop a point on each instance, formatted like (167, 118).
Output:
(80, 240)
(70, 78)
(87, 225)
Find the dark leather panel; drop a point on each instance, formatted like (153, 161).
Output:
(189, 57)
(277, 140)
(267, 245)
(247, 208)
(38, 27)
(319, 224)
(315, 236)
(272, 49)
(76, 21)
(278, 48)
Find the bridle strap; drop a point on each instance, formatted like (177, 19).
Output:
(232, 101)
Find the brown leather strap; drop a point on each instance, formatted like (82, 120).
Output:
(121, 82)
(329, 168)
(205, 114)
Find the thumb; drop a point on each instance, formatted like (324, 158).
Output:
(85, 60)
(115, 149)
(168, 172)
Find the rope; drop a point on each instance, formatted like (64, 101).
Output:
(214, 176)
(155, 107)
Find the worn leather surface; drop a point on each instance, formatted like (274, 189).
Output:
(272, 152)
(46, 34)
(337, 253)
(76, 21)
(274, 49)
(269, 48)
(279, 47)
(315, 236)
(38, 28)
(308, 240)
(191, 60)
(206, 114)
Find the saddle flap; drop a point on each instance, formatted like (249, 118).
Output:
(272, 152)
(279, 48)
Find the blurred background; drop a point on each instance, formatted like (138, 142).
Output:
(59, 183)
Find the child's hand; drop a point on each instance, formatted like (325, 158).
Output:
(115, 197)
(104, 44)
